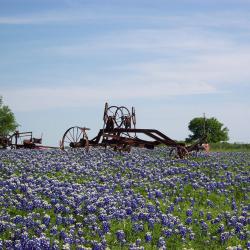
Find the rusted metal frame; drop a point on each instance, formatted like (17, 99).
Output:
(130, 141)
(166, 142)
(23, 134)
(195, 145)
(158, 136)
(149, 132)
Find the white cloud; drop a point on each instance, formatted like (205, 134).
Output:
(216, 69)
(160, 41)
(27, 99)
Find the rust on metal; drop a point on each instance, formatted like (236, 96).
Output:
(119, 132)
(20, 140)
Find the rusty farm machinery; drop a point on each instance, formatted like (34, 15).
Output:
(20, 140)
(120, 133)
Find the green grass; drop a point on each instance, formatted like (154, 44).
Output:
(186, 190)
(229, 147)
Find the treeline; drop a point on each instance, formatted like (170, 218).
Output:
(225, 146)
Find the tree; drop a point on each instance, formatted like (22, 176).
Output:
(7, 119)
(214, 130)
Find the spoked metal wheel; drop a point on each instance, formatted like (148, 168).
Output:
(109, 112)
(75, 137)
(120, 114)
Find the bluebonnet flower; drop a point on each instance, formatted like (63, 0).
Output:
(234, 205)
(224, 236)
(151, 208)
(17, 219)
(189, 220)
(53, 230)
(209, 216)
(67, 184)
(242, 219)
(24, 237)
(62, 234)
(170, 209)
(105, 226)
(158, 194)
(204, 226)
(137, 227)
(182, 231)
(161, 242)
(55, 245)
(46, 219)
(210, 203)
(45, 243)
(189, 212)
(17, 245)
(148, 237)
(167, 232)
(164, 220)
(242, 236)
(151, 223)
(8, 244)
(192, 236)
(216, 220)
(221, 228)
(248, 245)
(120, 235)
(68, 240)
(238, 227)
(97, 246)
(138, 242)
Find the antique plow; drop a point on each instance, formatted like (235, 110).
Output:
(119, 132)
(21, 140)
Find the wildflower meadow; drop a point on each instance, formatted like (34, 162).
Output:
(101, 199)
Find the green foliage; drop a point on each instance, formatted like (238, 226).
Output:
(230, 147)
(7, 119)
(214, 130)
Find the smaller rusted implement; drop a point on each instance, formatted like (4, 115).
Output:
(20, 140)
(24, 140)
(119, 132)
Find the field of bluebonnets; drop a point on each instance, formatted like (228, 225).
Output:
(50, 199)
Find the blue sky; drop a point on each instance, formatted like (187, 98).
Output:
(61, 60)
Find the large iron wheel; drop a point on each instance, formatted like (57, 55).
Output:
(109, 112)
(75, 137)
(120, 114)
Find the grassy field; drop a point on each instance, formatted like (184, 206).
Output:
(227, 147)
(52, 199)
